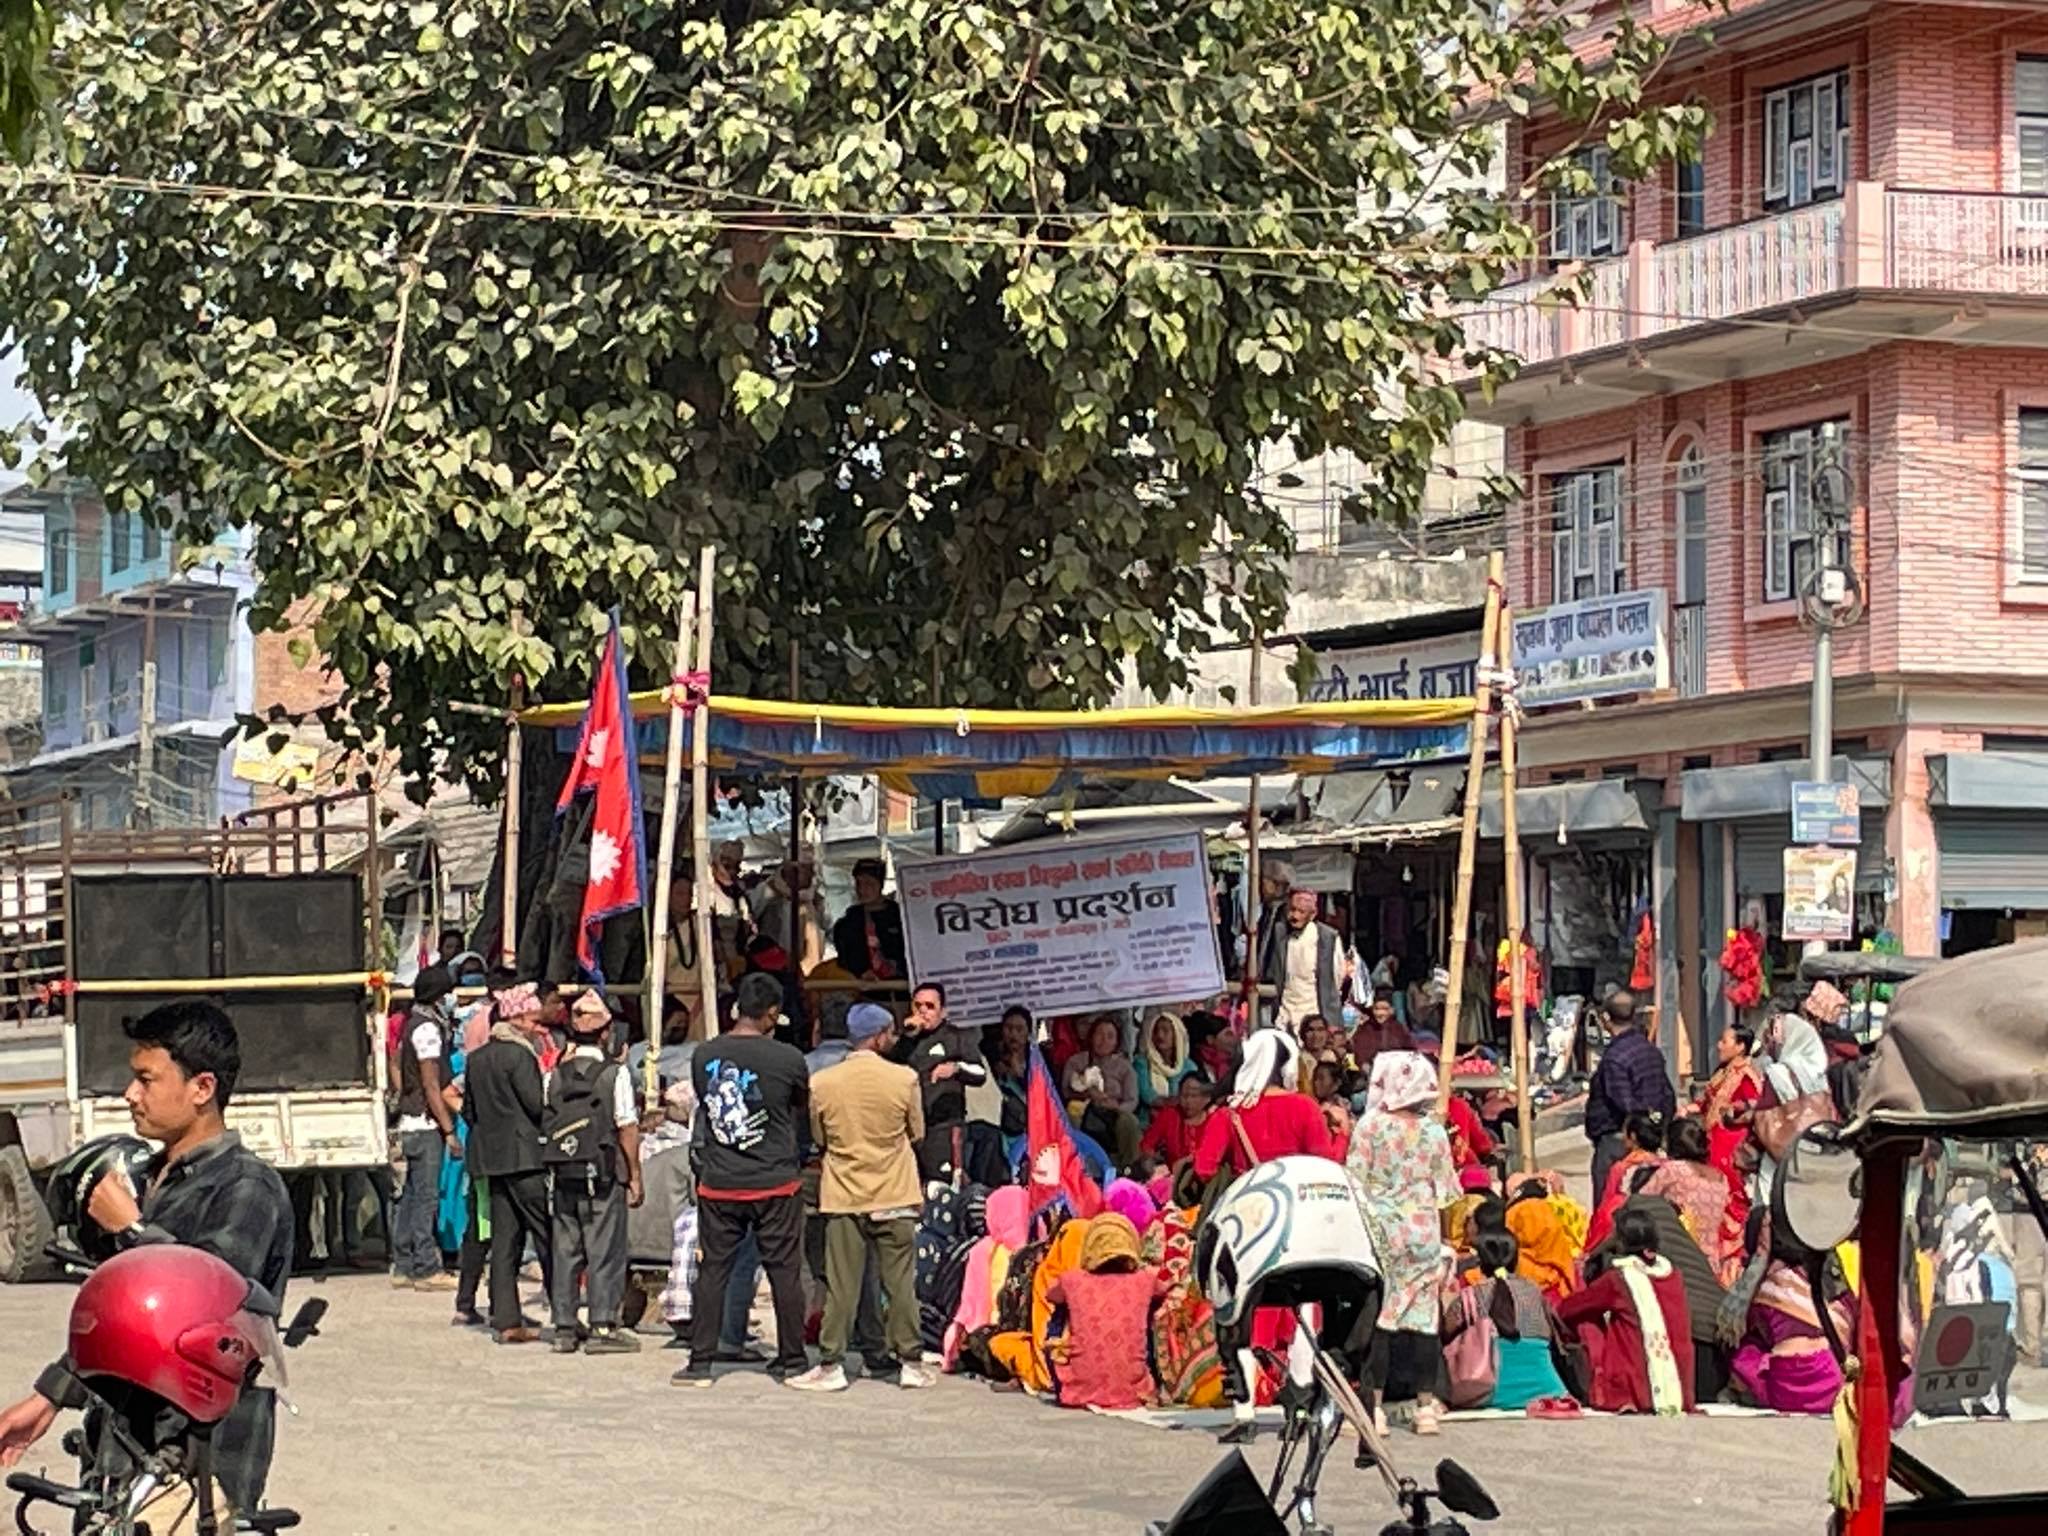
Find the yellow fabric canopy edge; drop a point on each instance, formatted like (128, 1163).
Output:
(1385, 712)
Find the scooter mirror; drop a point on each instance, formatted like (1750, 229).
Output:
(1459, 1492)
(1228, 1502)
(1817, 1195)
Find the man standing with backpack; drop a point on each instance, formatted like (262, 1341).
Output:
(591, 1144)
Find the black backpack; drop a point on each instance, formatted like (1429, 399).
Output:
(576, 1123)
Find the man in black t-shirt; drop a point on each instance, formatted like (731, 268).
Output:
(752, 1094)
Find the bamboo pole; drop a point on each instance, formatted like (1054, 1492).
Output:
(508, 902)
(1252, 914)
(705, 1025)
(665, 854)
(1468, 833)
(793, 967)
(1511, 836)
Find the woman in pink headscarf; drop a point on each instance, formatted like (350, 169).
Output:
(1400, 1163)
(1008, 1214)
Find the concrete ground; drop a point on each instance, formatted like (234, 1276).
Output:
(407, 1425)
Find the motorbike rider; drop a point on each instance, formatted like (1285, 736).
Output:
(204, 1189)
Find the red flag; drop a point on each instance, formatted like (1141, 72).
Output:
(606, 768)
(1055, 1162)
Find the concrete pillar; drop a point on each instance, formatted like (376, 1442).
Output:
(1664, 906)
(1915, 914)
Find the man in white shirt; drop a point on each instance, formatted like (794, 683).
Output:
(426, 1133)
(1304, 965)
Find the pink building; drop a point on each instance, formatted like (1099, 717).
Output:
(1843, 304)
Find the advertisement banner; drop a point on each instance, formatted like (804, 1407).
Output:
(1820, 893)
(1826, 813)
(1595, 648)
(1441, 667)
(1064, 927)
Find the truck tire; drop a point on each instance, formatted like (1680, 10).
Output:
(24, 1220)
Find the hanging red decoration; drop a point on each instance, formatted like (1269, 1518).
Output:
(1643, 979)
(1742, 967)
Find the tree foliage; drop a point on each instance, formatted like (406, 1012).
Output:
(25, 32)
(958, 327)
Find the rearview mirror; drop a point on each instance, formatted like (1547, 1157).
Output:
(1459, 1492)
(1818, 1196)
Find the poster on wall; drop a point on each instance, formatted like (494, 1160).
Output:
(1820, 893)
(1064, 927)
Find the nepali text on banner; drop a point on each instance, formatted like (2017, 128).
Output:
(1064, 928)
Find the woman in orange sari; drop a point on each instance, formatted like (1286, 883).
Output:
(1724, 1106)
(1543, 1223)
(1026, 1355)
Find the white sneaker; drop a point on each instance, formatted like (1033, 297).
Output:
(915, 1378)
(819, 1378)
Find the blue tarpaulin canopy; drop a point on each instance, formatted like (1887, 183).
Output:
(988, 755)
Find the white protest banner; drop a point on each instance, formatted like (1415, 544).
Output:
(1063, 927)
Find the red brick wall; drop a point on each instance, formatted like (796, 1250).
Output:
(281, 680)
(1932, 427)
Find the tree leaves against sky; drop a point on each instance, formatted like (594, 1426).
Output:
(956, 327)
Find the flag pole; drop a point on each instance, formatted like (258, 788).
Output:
(1468, 833)
(665, 857)
(508, 903)
(705, 1026)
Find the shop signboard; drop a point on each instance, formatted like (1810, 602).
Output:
(1826, 813)
(1073, 926)
(1595, 648)
(1441, 667)
(1820, 893)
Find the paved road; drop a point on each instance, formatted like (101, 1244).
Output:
(410, 1426)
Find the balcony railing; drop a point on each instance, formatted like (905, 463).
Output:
(1876, 237)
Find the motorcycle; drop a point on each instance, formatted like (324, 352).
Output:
(163, 1341)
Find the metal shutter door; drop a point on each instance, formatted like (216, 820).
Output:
(1993, 859)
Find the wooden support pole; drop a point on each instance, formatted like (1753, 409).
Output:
(1511, 837)
(665, 853)
(705, 1026)
(1468, 833)
(1252, 914)
(793, 968)
(508, 877)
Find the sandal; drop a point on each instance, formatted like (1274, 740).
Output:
(1428, 1418)
(1555, 1408)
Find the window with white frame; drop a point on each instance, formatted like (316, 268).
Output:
(1585, 534)
(1806, 141)
(1582, 227)
(1797, 479)
(2030, 110)
(58, 578)
(2032, 473)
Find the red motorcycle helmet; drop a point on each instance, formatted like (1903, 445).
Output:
(171, 1320)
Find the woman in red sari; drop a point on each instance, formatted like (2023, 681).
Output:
(1266, 1116)
(1644, 1135)
(1724, 1106)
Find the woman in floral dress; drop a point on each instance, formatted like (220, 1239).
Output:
(1400, 1162)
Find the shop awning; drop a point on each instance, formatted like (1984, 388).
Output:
(989, 755)
(1765, 789)
(1588, 806)
(1988, 781)
(1354, 799)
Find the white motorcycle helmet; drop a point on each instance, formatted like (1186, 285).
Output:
(1287, 1233)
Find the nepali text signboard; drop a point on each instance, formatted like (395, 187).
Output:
(1064, 928)
(1595, 648)
(1820, 893)
(1442, 667)
(1826, 813)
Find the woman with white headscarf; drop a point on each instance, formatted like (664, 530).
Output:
(1400, 1163)
(1266, 1115)
(1794, 1059)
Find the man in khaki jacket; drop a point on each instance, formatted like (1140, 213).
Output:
(867, 1116)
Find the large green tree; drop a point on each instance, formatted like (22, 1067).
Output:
(958, 327)
(25, 32)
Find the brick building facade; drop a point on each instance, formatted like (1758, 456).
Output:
(1841, 307)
